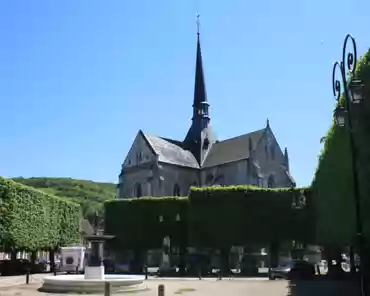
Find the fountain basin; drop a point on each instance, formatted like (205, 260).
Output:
(79, 284)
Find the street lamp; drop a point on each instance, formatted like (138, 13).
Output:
(357, 91)
(340, 116)
(353, 91)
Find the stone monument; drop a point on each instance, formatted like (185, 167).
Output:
(165, 262)
(95, 261)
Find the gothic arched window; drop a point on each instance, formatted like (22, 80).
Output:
(176, 190)
(138, 192)
(271, 182)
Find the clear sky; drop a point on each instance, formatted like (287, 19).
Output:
(78, 79)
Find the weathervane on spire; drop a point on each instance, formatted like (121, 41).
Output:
(198, 23)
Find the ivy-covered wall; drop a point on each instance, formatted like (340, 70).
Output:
(33, 220)
(211, 217)
(332, 185)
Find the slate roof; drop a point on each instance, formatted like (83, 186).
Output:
(232, 149)
(171, 151)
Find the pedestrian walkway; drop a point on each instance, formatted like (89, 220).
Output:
(10, 281)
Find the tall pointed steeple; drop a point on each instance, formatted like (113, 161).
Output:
(200, 137)
(200, 104)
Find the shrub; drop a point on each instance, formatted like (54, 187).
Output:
(238, 215)
(135, 222)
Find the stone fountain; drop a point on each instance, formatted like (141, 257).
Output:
(94, 278)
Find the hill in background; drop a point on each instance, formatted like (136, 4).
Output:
(90, 195)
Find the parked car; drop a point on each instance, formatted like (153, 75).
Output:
(14, 267)
(293, 270)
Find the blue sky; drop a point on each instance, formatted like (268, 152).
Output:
(78, 79)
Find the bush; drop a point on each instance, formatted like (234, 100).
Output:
(32, 220)
(136, 225)
(333, 186)
(210, 217)
(238, 215)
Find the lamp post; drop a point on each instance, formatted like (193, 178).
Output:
(353, 91)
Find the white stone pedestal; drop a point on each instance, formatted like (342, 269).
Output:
(94, 272)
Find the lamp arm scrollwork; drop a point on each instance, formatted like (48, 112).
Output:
(347, 65)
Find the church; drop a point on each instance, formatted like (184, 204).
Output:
(158, 166)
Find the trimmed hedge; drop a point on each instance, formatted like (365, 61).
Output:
(210, 217)
(333, 181)
(333, 191)
(32, 220)
(135, 222)
(239, 215)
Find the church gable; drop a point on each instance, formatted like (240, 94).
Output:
(140, 152)
(271, 160)
(268, 148)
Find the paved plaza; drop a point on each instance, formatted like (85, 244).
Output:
(188, 287)
(15, 286)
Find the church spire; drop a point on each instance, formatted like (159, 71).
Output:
(200, 105)
(200, 137)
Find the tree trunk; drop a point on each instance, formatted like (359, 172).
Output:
(33, 257)
(333, 254)
(225, 264)
(352, 260)
(137, 261)
(274, 254)
(182, 260)
(13, 255)
(52, 260)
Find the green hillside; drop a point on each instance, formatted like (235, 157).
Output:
(89, 194)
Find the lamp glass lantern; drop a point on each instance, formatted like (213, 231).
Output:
(178, 218)
(357, 91)
(340, 116)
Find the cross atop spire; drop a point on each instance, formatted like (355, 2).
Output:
(198, 23)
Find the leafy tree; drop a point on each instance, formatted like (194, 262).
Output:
(88, 194)
(33, 220)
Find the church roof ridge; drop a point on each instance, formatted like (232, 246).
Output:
(243, 135)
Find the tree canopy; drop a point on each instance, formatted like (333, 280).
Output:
(34, 220)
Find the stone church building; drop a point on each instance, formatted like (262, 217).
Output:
(158, 166)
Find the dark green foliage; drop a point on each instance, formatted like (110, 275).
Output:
(210, 217)
(135, 222)
(333, 182)
(90, 195)
(238, 215)
(33, 220)
(333, 191)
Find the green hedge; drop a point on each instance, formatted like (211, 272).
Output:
(333, 191)
(239, 215)
(332, 185)
(211, 217)
(33, 220)
(135, 222)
